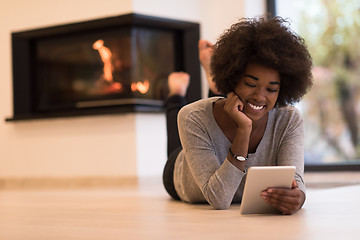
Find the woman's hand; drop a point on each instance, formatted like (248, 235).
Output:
(234, 107)
(288, 201)
(240, 140)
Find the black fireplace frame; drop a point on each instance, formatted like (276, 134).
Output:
(23, 52)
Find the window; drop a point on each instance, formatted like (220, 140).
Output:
(331, 109)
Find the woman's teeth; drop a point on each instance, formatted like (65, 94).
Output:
(256, 107)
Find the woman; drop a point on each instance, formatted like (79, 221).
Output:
(263, 68)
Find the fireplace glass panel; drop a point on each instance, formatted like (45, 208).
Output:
(85, 69)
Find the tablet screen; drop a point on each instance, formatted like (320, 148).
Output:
(259, 179)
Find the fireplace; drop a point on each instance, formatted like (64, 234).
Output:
(112, 65)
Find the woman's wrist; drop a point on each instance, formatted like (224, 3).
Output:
(238, 164)
(243, 132)
(239, 148)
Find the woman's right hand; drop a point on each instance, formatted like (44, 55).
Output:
(234, 108)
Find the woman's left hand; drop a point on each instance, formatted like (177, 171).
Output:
(288, 201)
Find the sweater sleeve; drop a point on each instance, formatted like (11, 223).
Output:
(291, 148)
(217, 179)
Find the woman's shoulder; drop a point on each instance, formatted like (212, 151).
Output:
(286, 116)
(287, 111)
(202, 105)
(198, 113)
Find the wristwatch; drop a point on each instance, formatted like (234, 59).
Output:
(239, 158)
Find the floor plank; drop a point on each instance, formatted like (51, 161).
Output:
(144, 211)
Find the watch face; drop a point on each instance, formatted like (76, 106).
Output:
(240, 158)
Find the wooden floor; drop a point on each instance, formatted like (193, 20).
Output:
(144, 211)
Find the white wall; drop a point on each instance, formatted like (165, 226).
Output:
(64, 147)
(109, 145)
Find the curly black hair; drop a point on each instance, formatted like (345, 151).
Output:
(270, 43)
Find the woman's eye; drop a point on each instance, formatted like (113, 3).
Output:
(272, 90)
(250, 85)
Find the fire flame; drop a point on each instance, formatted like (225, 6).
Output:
(105, 54)
(141, 87)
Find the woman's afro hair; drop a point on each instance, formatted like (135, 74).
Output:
(270, 43)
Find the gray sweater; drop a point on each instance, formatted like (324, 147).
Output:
(203, 174)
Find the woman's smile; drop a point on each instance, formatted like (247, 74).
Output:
(256, 107)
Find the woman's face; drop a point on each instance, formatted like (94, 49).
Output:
(258, 89)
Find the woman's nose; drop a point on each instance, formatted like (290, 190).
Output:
(259, 95)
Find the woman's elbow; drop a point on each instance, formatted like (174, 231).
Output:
(220, 205)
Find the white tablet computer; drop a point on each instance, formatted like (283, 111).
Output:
(259, 179)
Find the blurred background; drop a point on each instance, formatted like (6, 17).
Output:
(331, 109)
